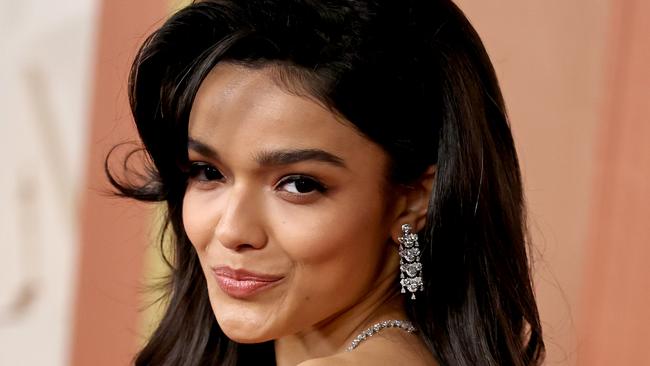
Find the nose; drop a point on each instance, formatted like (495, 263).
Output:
(239, 227)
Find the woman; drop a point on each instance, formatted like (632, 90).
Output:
(341, 183)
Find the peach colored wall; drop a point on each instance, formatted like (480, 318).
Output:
(113, 231)
(549, 59)
(615, 307)
(576, 80)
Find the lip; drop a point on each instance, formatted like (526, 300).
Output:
(241, 284)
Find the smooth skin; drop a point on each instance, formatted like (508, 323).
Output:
(281, 185)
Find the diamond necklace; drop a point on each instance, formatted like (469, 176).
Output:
(376, 328)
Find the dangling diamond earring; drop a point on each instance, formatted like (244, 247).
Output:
(409, 263)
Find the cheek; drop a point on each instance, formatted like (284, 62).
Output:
(335, 226)
(197, 219)
(337, 254)
(334, 240)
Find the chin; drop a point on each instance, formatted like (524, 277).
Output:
(243, 325)
(246, 334)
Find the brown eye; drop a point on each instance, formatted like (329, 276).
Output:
(204, 172)
(301, 185)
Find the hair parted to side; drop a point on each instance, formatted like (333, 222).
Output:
(412, 76)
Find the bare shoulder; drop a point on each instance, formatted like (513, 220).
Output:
(385, 356)
(326, 361)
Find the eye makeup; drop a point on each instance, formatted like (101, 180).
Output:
(204, 172)
(301, 184)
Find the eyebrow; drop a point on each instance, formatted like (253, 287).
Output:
(275, 157)
(202, 148)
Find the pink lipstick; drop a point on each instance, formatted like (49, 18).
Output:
(240, 284)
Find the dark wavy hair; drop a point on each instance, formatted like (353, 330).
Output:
(412, 76)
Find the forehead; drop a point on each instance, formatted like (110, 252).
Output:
(240, 110)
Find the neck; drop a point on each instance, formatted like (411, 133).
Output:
(335, 334)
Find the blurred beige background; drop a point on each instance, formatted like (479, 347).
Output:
(75, 262)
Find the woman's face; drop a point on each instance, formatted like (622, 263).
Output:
(287, 206)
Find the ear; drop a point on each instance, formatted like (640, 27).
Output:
(413, 203)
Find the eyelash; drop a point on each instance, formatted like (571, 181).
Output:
(295, 178)
(197, 172)
(197, 169)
